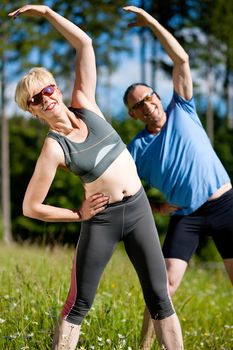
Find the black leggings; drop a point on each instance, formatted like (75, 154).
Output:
(130, 221)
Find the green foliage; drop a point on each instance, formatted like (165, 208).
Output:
(26, 138)
(1, 228)
(221, 23)
(34, 285)
(127, 128)
(22, 44)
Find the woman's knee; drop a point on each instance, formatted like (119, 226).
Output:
(76, 312)
(162, 309)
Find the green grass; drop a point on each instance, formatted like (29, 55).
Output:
(35, 281)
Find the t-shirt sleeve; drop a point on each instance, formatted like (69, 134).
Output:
(188, 106)
(133, 149)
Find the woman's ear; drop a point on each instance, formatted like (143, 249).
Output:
(59, 91)
(30, 110)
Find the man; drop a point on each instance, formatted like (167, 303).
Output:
(173, 154)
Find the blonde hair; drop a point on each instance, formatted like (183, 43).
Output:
(29, 82)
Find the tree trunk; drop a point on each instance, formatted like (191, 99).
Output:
(154, 64)
(5, 167)
(210, 112)
(143, 55)
(143, 50)
(229, 95)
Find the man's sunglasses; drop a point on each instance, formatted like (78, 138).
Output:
(38, 98)
(140, 104)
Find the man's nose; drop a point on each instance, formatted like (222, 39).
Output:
(146, 105)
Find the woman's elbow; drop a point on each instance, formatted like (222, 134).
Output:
(28, 210)
(88, 42)
(185, 58)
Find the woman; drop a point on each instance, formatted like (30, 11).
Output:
(116, 207)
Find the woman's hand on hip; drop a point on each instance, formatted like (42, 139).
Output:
(92, 206)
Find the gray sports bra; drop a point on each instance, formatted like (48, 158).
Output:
(90, 158)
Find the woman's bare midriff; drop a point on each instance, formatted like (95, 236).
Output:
(221, 191)
(118, 181)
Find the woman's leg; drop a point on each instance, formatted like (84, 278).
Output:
(94, 249)
(66, 336)
(144, 250)
(175, 271)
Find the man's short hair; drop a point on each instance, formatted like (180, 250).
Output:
(131, 88)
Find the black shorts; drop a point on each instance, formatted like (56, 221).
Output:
(214, 218)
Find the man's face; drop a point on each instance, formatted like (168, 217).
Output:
(143, 104)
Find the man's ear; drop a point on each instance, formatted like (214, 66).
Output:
(132, 114)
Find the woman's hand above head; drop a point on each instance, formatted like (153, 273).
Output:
(92, 206)
(30, 10)
(84, 90)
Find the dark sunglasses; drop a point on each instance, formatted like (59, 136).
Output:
(38, 98)
(140, 104)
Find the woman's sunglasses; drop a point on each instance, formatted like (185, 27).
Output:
(38, 98)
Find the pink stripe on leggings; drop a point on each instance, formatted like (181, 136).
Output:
(72, 293)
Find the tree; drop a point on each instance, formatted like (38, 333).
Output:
(221, 24)
(8, 55)
(5, 183)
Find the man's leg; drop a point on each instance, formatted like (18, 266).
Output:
(175, 270)
(147, 332)
(229, 268)
(168, 332)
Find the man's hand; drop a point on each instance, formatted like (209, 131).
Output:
(92, 206)
(142, 17)
(163, 208)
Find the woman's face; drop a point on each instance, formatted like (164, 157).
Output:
(45, 99)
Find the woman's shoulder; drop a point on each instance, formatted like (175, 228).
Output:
(86, 112)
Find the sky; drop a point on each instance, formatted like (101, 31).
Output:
(110, 102)
(127, 72)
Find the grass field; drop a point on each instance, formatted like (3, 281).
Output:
(35, 281)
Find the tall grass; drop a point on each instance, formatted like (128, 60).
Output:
(34, 285)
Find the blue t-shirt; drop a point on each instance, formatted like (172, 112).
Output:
(180, 160)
